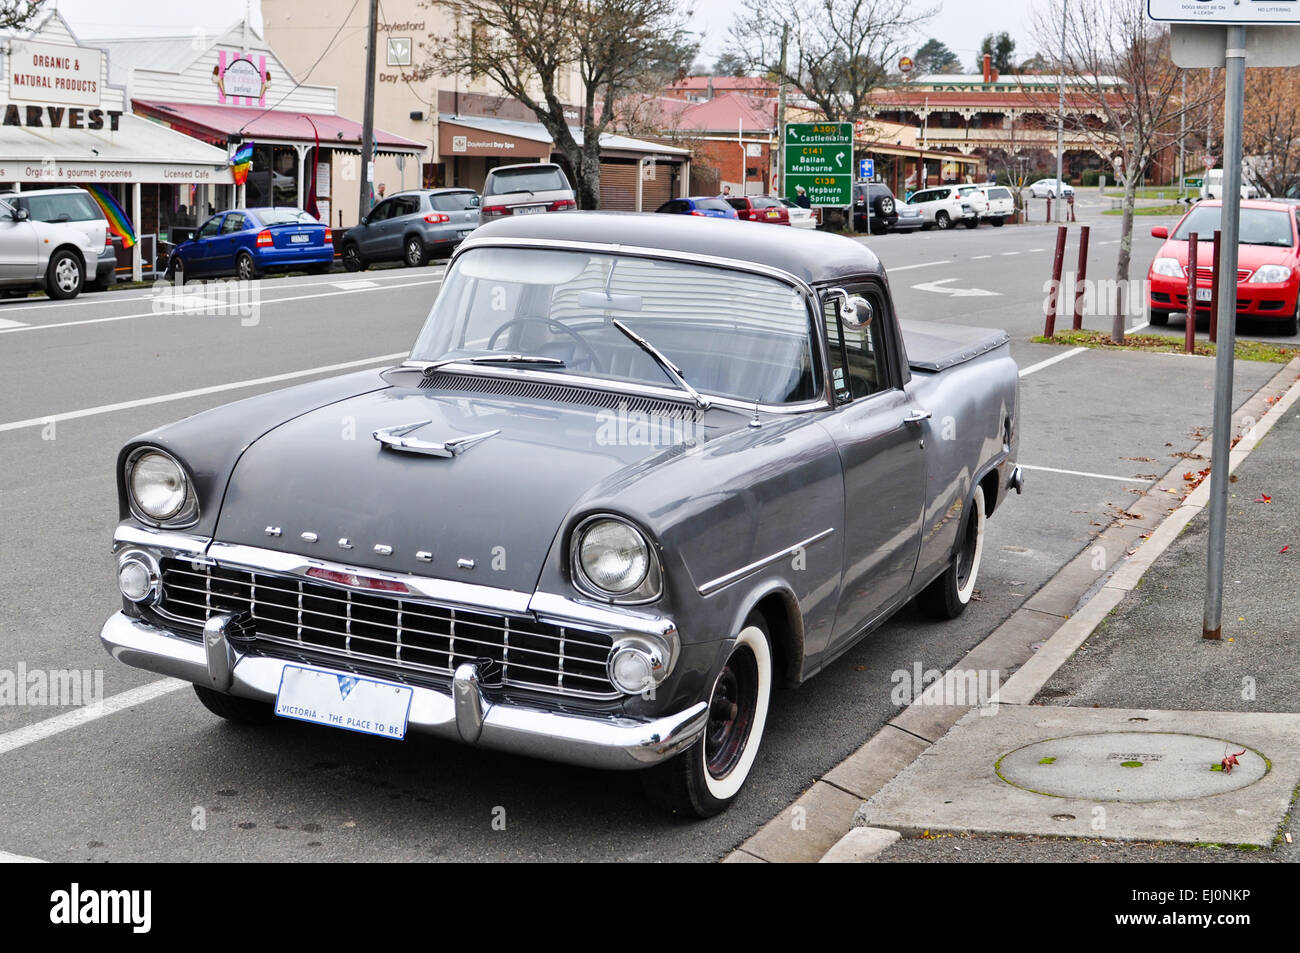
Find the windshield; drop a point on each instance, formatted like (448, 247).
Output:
(1259, 226)
(541, 179)
(732, 334)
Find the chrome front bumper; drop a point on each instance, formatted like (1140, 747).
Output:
(611, 742)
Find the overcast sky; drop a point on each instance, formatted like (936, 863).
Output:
(961, 24)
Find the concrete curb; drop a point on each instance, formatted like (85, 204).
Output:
(1058, 619)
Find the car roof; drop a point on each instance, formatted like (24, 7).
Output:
(524, 165)
(812, 256)
(1277, 205)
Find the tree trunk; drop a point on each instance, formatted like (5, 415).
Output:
(1120, 318)
(588, 184)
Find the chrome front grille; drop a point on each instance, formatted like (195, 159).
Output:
(413, 640)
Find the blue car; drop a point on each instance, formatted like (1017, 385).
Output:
(249, 241)
(704, 206)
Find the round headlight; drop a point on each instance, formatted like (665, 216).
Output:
(631, 670)
(613, 556)
(158, 485)
(136, 578)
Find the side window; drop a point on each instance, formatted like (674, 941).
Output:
(234, 223)
(858, 367)
(382, 211)
(210, 227)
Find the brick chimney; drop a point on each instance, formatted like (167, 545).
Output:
(988, 67)
(993, 76)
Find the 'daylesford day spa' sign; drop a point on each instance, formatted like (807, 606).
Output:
(50, 73)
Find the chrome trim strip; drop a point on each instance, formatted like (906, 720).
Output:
(469, 595)
(611, 741)
(175, 544)
(713, 585)
(561, 610)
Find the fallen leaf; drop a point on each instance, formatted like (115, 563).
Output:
(1263, 498)
(1285, 548)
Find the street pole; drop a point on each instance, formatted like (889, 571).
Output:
(1233, 107)
(1182, 135)
(780, 114)
(1060, 123)
(368, 120)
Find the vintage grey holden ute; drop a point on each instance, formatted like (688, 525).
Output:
(636, 472)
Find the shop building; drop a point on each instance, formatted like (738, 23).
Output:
(467, 126)
(67, 123)
(225, 90)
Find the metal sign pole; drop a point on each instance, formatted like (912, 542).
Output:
(1233, 107)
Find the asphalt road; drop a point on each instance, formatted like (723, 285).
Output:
(83, 377)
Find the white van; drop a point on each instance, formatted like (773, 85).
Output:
(1212, 186)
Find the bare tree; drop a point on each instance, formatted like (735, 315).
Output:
(1119, 69)
(615, 47)
(17, 14)
(1272, 129)
(839, 51)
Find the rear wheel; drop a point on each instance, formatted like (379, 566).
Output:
(1292, 327)
(948, 596)
(416, 255)
(63, 276)
(245, 267)
(708, 776)
(1158, 319)
(972, 223)
(996, 221)
(942, 220)
(244, 711)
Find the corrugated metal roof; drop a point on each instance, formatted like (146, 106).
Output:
(254, 123)
(136, 140)
(536, 132)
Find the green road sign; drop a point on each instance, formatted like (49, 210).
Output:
(819, 156)
(1192, 182)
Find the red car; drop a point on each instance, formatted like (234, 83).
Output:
(1268, 265)
(759, 208)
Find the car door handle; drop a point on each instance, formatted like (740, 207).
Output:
(917, 415)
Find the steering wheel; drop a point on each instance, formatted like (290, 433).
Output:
(592, 360)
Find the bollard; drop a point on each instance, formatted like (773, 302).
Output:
(1189, 333)
(1049, 209)
(1080, 278)
(1053, 301)
(1070, 199)
(1214, 287)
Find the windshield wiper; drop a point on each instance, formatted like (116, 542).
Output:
(669, 368)
(496, 359)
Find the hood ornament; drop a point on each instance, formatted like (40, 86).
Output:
(395, 438)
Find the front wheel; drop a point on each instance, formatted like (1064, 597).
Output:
(948, 596)
(63, 277)
(707, 777)
(352, 260)
(943, 221)
(1158, 319)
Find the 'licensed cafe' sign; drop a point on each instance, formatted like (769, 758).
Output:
(50, 73)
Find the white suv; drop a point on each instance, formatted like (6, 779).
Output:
(995, 203)
(943, 207)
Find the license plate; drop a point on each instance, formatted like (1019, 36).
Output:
(299, 239)
(530, 209)
(773, 214)
(1203, 294)
(350, 702)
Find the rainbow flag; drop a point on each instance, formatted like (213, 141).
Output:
(118, 223)
(241, 162)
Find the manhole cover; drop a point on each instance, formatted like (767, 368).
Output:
(1130, 766)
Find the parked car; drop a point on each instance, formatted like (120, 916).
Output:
(943, 207)
(1268, 263)
(1050, 188)
(411, 227)
(1002, 204)
(800, 217)
(526, 189)
(588, 524)
(701, 206)
(1212, 186)
(73, 206)
(247, 242)
(56, 258)
(884, 207)
(759, 208)
(974, 196)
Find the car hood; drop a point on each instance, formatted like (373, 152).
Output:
(1249, 257)
(499, 503)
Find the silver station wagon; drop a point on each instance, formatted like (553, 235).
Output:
(634, 475)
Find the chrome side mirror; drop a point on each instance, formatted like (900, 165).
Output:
(856, 311)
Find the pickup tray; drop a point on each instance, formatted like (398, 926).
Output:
(935, 347)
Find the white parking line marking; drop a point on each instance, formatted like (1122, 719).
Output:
(8, 858)
(197, 392)
(979, 257)
(30, 734)
(924, 264)
(155, 314)
(349, 285)
(1035, 368)
(1005, 253)
(1032, 250)
(11, 324)
(1095, 476)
